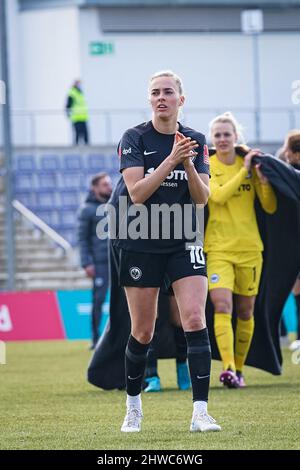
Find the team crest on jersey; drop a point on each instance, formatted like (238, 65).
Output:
(214, 278)
(135, 273)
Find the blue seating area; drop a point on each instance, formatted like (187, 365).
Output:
(53, 186)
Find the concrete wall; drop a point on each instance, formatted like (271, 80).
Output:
(49, 45)
(217, 71)
(52, 47)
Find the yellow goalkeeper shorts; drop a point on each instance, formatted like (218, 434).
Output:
(238, 271)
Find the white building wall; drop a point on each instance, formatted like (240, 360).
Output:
(15, 56)
(279, 69)
(217, 71)
(14, 61)
(51, 61)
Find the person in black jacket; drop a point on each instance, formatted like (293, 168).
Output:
(291, 154)
(93, 250)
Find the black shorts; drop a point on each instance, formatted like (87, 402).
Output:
(154, 270)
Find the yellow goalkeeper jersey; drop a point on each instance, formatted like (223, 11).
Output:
(232, 224)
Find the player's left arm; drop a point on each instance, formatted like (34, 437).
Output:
(264, 191)
(198, 184)
(197, 171)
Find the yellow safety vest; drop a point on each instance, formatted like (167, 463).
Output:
(79, 111)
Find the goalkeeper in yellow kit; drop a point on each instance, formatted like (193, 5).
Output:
(233, 244)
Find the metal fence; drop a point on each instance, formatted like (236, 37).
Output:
(36, 128)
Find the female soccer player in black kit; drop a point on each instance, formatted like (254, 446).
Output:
(160, 166)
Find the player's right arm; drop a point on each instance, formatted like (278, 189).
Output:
(132, 167)
(141, 188)
(221, 194)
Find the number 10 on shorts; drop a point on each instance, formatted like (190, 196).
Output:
(197, 256)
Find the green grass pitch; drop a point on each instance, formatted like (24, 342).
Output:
(46, 403)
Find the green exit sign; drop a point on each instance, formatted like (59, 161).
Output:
(101, 48)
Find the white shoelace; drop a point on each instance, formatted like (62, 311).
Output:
(204, 417)
(133, 417)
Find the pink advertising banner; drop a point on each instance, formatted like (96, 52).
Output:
(30, 316)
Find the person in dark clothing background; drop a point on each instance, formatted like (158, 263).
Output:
(291, 154)
(76, 109)
(94, 251)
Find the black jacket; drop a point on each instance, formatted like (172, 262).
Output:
(92, 249)
(284, 177)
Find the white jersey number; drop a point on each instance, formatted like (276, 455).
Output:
(197, 256)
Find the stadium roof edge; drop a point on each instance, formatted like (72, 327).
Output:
(41, 4)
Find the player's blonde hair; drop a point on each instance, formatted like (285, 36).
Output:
(168, 73)
(229, 118)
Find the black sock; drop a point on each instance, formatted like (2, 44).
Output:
(199, 358)
(151, 365)
(283, 330)
(151, 368)
(135, 362)
(180, 343)
(297, 298)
